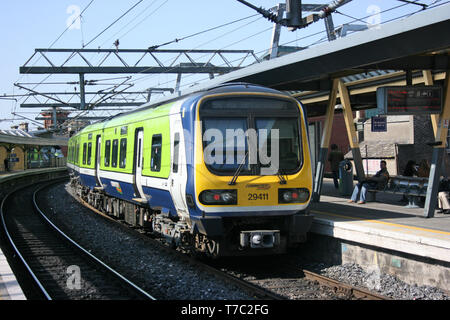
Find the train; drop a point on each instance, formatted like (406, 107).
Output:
(221, 172)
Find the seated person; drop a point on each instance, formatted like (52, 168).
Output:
(444, 189)
(378, 181)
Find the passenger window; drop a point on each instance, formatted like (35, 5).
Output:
(84, 153)
(89, 153)
(107, 152)
(115, 148)
(155, 163)
(176, 147)
(78, 153)
(123, 153)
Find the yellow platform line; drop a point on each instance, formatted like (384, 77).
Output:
(383, 222)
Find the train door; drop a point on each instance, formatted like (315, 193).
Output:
(178, 174)
(138, 164)
(97, 160)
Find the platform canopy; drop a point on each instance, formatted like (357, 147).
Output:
(417, 42)
(33, 141)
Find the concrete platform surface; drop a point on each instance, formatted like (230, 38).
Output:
(385, 223)
(9, 287)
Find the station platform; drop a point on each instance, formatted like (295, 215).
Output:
(9, 287)
(385, 224)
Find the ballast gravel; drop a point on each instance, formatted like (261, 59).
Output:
(139, 259)
(383, 284)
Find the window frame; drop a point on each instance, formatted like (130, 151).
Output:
(84, 153)
(114, 153)
(107, 155)
(123, 153)
(153, 148)
(89, 153)
(176, 152)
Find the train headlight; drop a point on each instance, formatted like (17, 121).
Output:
(227, 196)
(257, 239)
(300, 195)
(218, 197)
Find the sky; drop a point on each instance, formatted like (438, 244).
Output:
(27, 25)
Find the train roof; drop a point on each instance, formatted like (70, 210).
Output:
(163, 107)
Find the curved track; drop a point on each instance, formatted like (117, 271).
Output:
(59, 268)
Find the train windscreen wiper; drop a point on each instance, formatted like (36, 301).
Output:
(237, 172)
(281, 177)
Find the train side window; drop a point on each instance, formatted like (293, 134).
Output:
(155, 163)
(123, 153)
(107, 152)
(89, 153)
(176, 152)
(77, 160)
(115, 148)
(84, 152)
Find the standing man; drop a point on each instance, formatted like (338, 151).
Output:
(335, 157)
(6, 163)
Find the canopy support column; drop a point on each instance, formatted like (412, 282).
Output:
(438, 153)
(351, 132)
(325, 142)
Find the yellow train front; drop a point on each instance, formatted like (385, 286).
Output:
(249, 173)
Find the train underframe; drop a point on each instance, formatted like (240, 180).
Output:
(242, 236)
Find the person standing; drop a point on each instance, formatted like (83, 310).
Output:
(6, 163)
(334, 158)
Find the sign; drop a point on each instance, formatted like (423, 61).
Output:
(379, 124)
(409, 100)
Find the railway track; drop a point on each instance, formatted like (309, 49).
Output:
(57, 267)
(291, 281)
(254, 290)
(311, 285)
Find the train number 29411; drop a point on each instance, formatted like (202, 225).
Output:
(258, 196)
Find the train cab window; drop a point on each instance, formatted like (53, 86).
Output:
(176, 152)
(289, 146)
(84, 153)
(107, 152)
(115, 148)
(89, 153)
(155, 163)
(123, 153)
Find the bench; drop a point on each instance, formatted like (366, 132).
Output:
(411, 187)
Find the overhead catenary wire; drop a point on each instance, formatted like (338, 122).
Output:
(14, 106)
(133, 20)
(113, 23)
(324, 39)
(238, 41)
